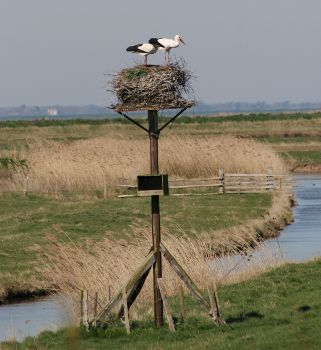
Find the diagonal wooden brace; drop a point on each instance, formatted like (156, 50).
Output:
(186, 279)
(129, 286)
(133, 294)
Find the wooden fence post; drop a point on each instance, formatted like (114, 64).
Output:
(181, 303)
(126, 312)
(85, 309)
(25, 190)
(269, 179)
(95, 308)
(105, 190)
(221, 176)
(215, 307)
(81, 307)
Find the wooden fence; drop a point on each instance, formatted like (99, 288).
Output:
(224, 183)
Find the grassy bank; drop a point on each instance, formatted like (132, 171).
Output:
(30, 224)
(278, 310)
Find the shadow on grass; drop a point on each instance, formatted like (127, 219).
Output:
(244, 317)
(304, 308)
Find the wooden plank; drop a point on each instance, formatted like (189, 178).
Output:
(194, 186)
(126, 313)
(181, 303)
(167, 308)
(185, 278)
(193, 194)
(195, 180)
(240, 192)
(246, 187)
(127, 195)
(146, 265)
(246, 175)
(250, 183)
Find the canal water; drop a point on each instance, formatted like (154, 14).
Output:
(22, 319)
(302, 239)
(297, 242)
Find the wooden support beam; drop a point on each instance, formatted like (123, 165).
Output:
(126, 312)
(166, 305)
(185, 278)
(116, 299)
(134, 292)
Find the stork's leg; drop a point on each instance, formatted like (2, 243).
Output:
(165, 59)
(168, 59)
(145, 60)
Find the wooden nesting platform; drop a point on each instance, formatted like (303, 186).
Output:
(119, 107)
(152, 88)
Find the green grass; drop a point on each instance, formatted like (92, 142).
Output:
(278, 310)
(305, 157)
(252, 117)
(298, 138)
(26, 221)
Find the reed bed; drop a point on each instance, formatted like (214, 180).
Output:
(108, 264)
(100, 163)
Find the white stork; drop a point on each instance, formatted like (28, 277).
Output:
(167, 44)
(144, 49)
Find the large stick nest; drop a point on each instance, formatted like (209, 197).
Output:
(152, 88)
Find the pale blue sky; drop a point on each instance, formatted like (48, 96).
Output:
(240, 50)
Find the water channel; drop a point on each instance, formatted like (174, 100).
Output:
(298, 242)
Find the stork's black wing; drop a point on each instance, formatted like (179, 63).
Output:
(135, 48)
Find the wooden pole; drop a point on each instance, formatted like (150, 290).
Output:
(126, 313)
(95, 304)
(85, 309)
(221, 176)
(95, 307)
(181, 303)
(25, 190)
(157, 268)
(81, 307)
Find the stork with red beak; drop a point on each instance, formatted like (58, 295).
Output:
(167, 45)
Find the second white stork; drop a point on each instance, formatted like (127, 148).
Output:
(167, 44)
(144, 49)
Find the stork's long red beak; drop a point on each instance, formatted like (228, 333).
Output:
(182, 41)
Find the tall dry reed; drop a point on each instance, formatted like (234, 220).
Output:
(95, 163)
(109, 264)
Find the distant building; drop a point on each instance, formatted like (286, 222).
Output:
(52, 112)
